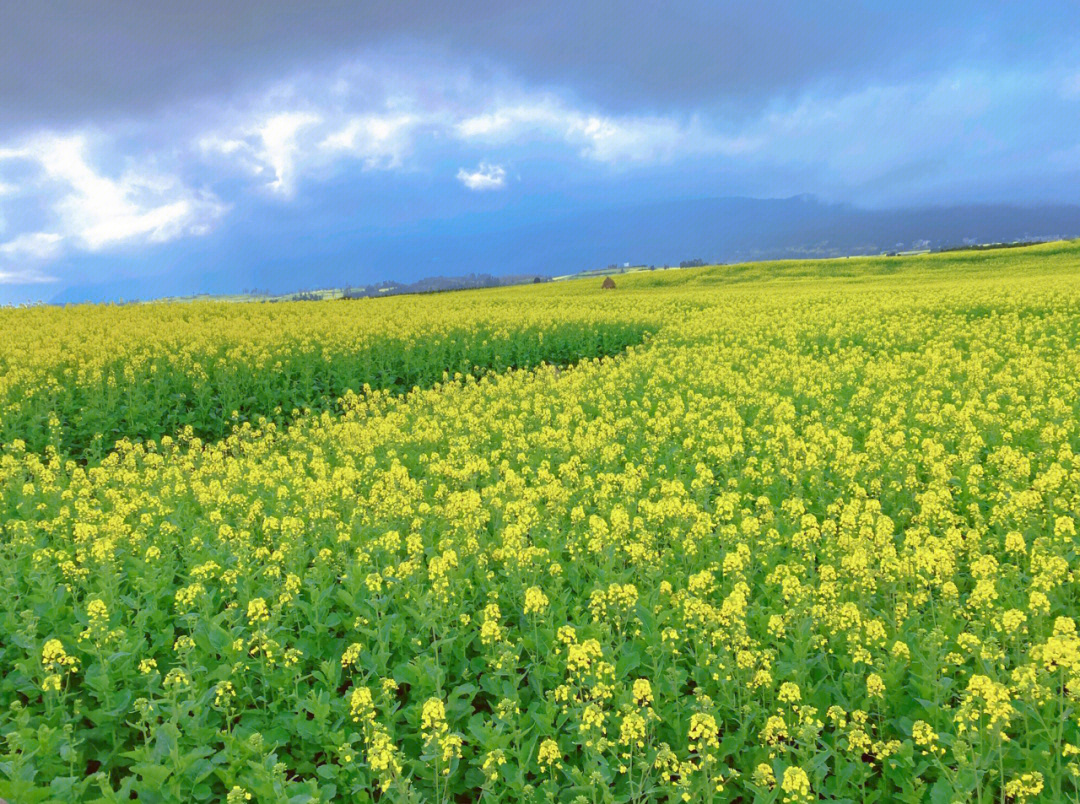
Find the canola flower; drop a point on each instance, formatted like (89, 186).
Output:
(549, 757)
(795, 786)
(536, 602)
(813, 538)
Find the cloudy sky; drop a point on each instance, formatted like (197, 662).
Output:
(144, 138)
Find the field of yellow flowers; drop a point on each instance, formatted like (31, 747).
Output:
(781, 532)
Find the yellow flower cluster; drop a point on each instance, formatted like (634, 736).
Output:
(536, 602)
(549, 757)
(796, 786)
(703, 732)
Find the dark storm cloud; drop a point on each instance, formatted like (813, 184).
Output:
(70, 62)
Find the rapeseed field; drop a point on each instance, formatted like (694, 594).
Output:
(782, 532)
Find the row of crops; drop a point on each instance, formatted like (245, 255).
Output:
(200, 373)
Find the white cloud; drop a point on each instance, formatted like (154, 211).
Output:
(602, 138)
(227, 147)
(509, 121)
(92, 211)
(287, 145)
(24, 277)
(18, 258)
(139, 205)
(384, 123)
(649, 139)
(380, 141)
(35, 245)
(485, 177)
(279, 146)
(271, 144)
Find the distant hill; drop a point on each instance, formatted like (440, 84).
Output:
(712, 229)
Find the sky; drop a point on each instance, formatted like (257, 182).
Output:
(148, 139)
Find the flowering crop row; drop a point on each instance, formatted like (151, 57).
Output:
(81, 379)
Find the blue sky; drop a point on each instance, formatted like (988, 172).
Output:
(156, 140)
